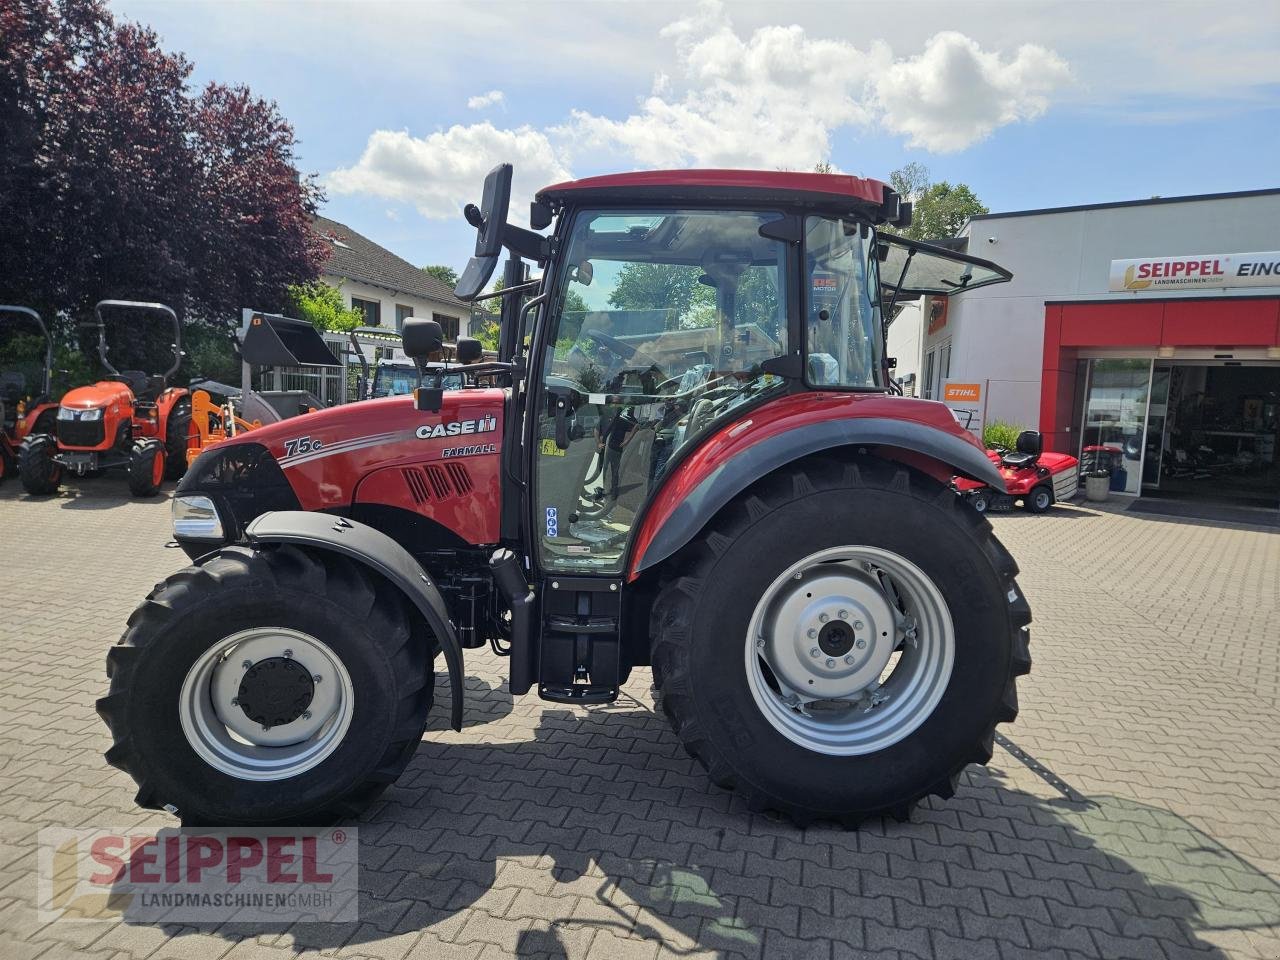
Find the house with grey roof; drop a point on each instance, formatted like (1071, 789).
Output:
(384, 287)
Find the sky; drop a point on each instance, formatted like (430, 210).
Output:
(402, 107)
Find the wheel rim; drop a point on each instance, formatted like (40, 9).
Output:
(849, 650)
(1042, 499)
(157, 469)
(293, 727)
(980, 504)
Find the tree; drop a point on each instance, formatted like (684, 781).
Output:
(663, 286)
(446, 275)
(910, 181)
(940, 209)
(321, 305)
(116, 181)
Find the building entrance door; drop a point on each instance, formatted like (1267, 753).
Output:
(1113, 426)
(1212, 431)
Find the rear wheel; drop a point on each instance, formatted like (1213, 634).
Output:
(146, 468)
(1039, 499)
(878, 659)
(267, 687)
(40, 473)
(175, 440)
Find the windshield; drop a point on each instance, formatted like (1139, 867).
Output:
(663, 322)
(842, 323)
(399, 381)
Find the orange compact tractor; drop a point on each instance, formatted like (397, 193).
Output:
(129, 419)
(26, 365)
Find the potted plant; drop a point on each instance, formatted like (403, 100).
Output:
(1096, 485)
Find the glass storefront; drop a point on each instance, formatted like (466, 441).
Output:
(1196, 429)
(1112, 433)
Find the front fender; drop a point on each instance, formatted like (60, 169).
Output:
(664, 531)
(384, 556)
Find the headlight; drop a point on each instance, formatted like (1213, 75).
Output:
(196, 517)
(66, 413)
(71, 413)
(94, 414)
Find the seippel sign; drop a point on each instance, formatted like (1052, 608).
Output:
(1206, 270)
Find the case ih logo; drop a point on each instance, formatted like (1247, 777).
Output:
(457, 428)
(291, 875)
(1210, 270)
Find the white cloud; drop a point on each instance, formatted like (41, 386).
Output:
(955, 93)
(443, 171)
(492, 98)
(773, 98)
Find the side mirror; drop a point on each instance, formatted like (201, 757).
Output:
(490, 221)
(470, 350)
(421, 337)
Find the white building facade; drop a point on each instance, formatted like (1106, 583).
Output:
(1150, 327)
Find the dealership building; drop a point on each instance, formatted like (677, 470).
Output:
(1143, 336)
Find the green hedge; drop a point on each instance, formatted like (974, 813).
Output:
(1001, 435)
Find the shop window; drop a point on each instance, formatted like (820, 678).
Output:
(926, 388)
(402, 313)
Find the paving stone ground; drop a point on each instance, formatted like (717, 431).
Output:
(545, 831)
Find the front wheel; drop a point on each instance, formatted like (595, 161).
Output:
(1039, 499)
(40, 474)
(146, 468)
(264, 687)
(878, 652)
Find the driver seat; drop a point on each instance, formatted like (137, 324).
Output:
(139, 384)
(1028, 450)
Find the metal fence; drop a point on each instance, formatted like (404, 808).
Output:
(330, 385)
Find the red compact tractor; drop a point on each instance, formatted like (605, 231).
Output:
(26, 368)
(127, 420)
(1036, 478)
(687, 455)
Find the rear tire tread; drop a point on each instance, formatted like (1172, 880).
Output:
(674, 611)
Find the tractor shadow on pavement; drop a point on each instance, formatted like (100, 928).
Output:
(598, 829)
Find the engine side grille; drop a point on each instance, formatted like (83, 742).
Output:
(77, 433)
(417, 484)
(439, 481)
(461, 480)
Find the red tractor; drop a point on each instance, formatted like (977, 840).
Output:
(26, 370)
(686, 456)
(128, 420)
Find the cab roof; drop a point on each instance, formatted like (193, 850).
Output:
(779, 186)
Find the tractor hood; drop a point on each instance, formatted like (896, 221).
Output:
(325, 455)
(104, 393)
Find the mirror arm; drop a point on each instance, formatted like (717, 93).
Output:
(526, 243)
(518, 288)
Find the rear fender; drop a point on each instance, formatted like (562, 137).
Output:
(165, 404)
(381, 554)
(666, 527)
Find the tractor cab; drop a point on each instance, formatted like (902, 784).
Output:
(670, 304)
